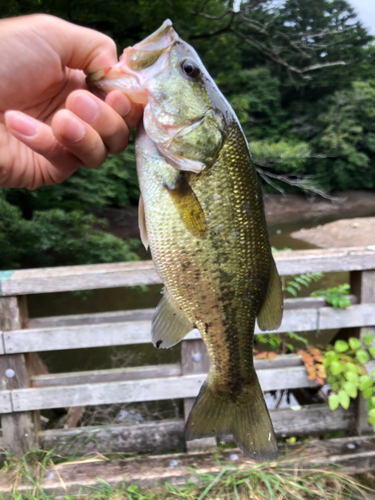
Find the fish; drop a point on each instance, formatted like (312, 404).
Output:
(201, 213)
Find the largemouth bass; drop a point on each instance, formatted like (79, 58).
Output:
(201, 213)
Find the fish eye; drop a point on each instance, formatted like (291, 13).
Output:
(189, 68)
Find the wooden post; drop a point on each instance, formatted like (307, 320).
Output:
(194, 360)
(362, 284)
(18, 428)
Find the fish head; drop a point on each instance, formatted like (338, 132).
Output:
(184, 110)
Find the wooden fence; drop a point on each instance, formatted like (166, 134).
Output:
(25, 390)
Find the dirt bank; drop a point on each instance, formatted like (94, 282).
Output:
(297, 208)
(341, 233)
(279, 209)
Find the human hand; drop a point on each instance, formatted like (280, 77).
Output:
(50, 124)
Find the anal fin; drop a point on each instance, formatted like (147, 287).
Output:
(271, 313)
(169, 325)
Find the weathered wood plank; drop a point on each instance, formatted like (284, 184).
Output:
(169, 434)
(325, 260)
(353, 455)
(281, 361)
(363, 284)
(354, 316)
(111, 375)
(60, 279)
(76, 337)
(311, 420)
(67, 278)
(18, 429)
(362, 424)
(138, 332)
(147, 314)
(186, 386)
(5, 402)
(92, 319)
(141, 438)
(107, 393)
(142, 372)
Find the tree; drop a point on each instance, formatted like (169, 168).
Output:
(56, 237)
(347, 134)
(300, 76)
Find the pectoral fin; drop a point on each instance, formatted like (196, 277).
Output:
(188, 206)
(169, 325)
(271, 313)
(142, 222)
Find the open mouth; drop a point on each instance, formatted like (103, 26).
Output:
(136, 66)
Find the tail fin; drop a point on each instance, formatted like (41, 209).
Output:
(246, 417)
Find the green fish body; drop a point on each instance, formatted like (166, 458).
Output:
(201, 213)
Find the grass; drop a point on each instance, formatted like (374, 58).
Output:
(265, 481)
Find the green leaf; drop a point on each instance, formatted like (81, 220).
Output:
(372, 351)
(351, 377)
(364, 382)
(373, 373)
(335, 386)
(344, 399)
(371, 403)
(341, 346)
(343, 302)
(350, 367)
(367, 393)
(333, 401)
(367, 339)
(354, 343)
(294, 336)
(330, 355)
(335, 368)
(350, 389)
(291, 291)
(372, 413)
(371, 420)
(362, 356)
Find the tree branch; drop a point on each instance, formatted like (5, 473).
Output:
(300, 44)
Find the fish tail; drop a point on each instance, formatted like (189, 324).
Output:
(245, 416)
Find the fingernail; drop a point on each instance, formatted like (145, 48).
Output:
(121, 104)
(72, 130)
(21, 124)
(85, 107)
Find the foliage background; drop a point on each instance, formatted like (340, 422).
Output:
(313, 126)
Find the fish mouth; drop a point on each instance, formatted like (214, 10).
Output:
(135, 66)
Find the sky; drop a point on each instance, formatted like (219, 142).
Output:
(366, 13)
(364, 8)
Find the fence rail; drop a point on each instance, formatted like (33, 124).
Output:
(25, 388)
(64, 279)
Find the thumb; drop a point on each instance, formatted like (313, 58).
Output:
(78, 47)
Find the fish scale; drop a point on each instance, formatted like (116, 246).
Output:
(201, 213)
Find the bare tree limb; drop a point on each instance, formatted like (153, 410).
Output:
(303, 183)
(305, 44)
